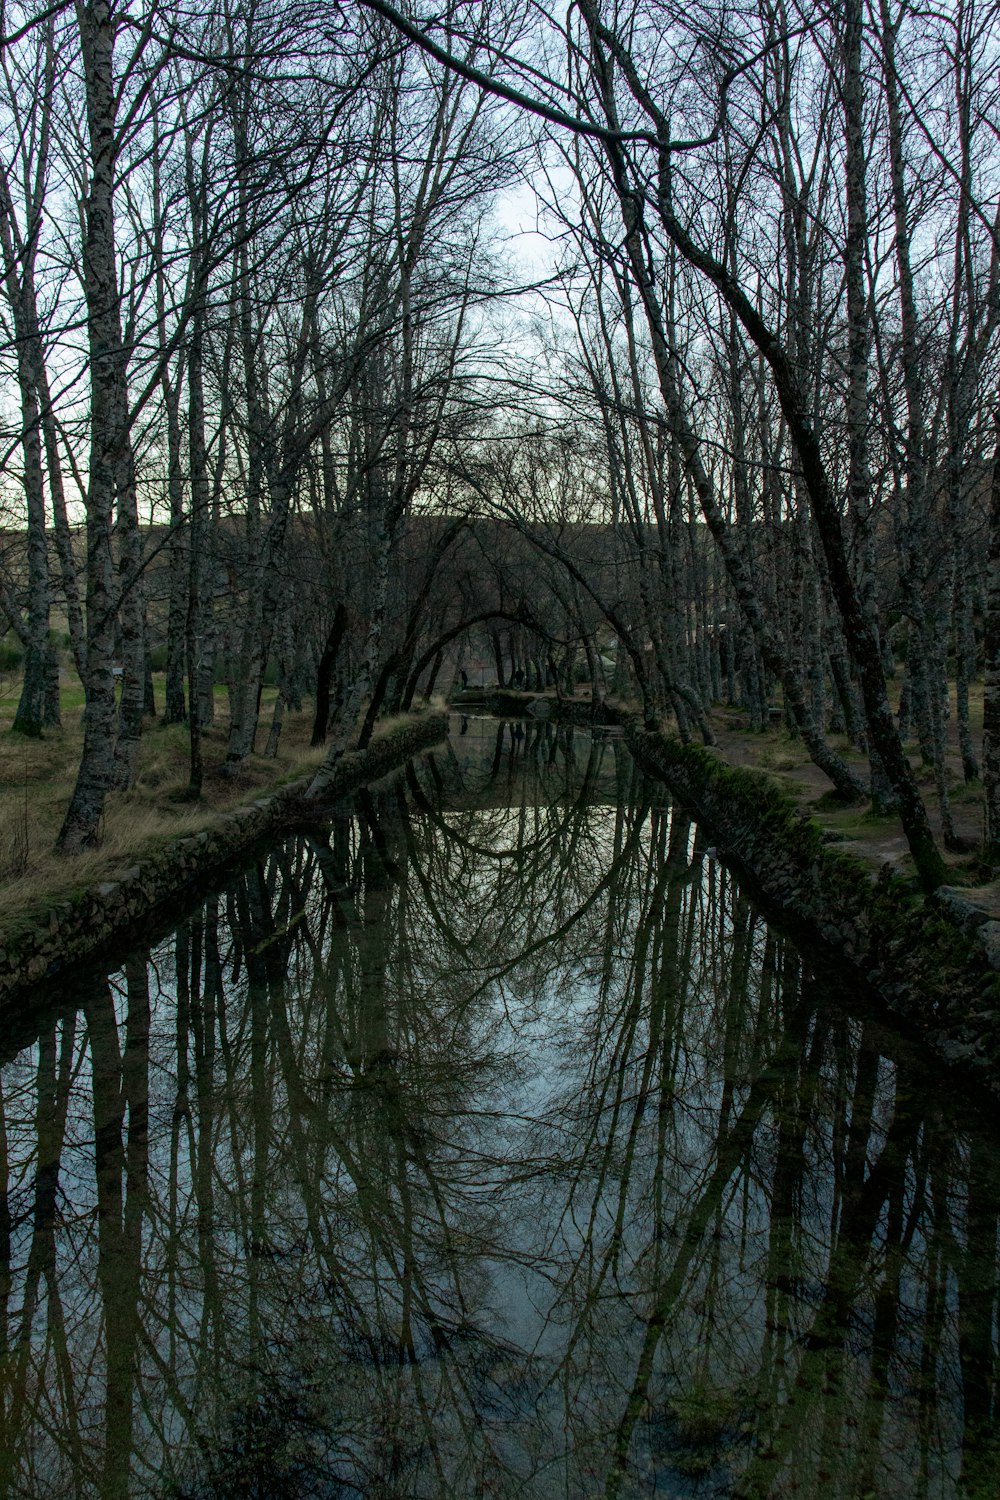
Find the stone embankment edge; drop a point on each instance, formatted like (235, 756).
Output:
(67, 933)
(929, 957)
(508, 703)
(933, 960)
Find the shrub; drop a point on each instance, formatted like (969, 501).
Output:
(11, 653)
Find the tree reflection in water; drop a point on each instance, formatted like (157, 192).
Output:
(490, 1143)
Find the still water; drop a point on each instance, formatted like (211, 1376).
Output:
(490, 1143)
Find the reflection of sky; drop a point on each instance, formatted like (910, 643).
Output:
(492, 1095)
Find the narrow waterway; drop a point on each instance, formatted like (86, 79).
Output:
(492, 1144)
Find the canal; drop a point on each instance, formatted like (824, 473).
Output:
(491, 1142)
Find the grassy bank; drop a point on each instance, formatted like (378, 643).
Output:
(55, 926)
(926, 956)
(37, 778)
(878, 841)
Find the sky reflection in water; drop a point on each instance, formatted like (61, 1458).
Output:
(493, 1145)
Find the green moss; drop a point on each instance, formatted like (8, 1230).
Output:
(169, 865)
(860, 822)
(967, 791)
(922, 961)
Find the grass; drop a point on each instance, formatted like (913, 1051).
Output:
(856, 823)
(37, 779)
(876, 838)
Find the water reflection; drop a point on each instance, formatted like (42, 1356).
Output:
(489, 1143)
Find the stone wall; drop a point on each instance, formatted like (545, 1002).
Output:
(934, 960)
(931, 958)
(59, 936)
(507, 704)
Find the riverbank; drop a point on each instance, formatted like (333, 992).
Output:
(875, 839)
(935, 960)
(77, 918)
(37, 779)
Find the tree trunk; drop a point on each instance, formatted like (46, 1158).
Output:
(31, 709)
(132, 615)
(324, 674)
(965, 666)
(194, 625)
(991, 670)
(347, 718)
(174, 709)
(109, 440)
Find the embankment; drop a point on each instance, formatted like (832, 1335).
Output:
(933, 959)
(507, 703)
(51, 940)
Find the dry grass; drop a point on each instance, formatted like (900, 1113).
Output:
(437, 704)
(36, 782)
(878, 839)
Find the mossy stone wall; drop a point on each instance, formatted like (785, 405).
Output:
(921, 953)
(60, 935)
